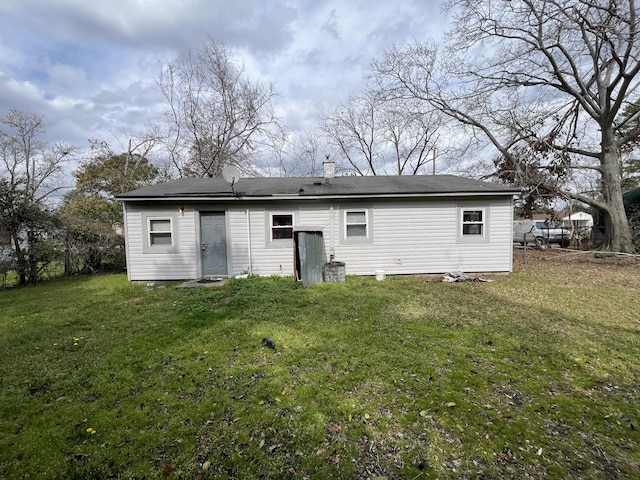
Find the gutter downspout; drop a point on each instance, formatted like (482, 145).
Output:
(249, 241)
(332, 252)
(126, 239)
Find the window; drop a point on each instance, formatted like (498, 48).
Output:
(356, 223)
(160, 232)
(281, 227)
(473, 223)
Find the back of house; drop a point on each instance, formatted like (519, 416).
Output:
(194, 228)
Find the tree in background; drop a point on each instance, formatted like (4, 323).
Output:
(546, 83)
(31, 173)
(379, 135)
(631, 167)
(92, 233)
(216, 116)
(106, 174)
(306, 150)
(629, 133)
(30, 228)
(91, 216)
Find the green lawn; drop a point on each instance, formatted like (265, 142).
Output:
(535, 375)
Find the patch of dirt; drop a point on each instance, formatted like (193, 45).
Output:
(533, 258)
(376, 458)
(587, 268)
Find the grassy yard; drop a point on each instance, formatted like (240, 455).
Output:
(535, 375)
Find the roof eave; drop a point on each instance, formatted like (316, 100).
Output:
(276, 197)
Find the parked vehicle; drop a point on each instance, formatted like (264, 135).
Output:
(526, 232)
(553, 233)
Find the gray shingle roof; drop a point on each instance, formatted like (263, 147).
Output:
(318, 187)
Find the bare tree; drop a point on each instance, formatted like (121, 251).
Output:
(306, 150)
(544, 82)
(28, 161)
(380, 135)
(31, 173)
(216, 115)
(292, 155)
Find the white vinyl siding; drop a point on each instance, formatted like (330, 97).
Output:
(174, 262)
(420, 236)
(237, 241)
(276, 257)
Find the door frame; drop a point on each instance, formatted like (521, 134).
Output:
(198, 245)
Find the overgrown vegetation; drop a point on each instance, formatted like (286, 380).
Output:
(532, 376)
(83, 232)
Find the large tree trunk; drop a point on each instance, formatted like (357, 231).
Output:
(617, 236)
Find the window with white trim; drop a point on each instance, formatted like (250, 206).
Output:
(281, 226)
(160, 232)
(473, 222)
(356, 224)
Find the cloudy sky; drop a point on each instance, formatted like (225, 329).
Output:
(90, 66)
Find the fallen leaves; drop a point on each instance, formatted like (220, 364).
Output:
(334, 428)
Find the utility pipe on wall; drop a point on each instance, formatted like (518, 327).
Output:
(332, 252)
(249, 240)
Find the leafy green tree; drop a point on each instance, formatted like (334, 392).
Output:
(91, 237)
(106, 174)
(630, 174)
(31, 229)
(90, 213)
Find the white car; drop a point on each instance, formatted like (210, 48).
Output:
(555, 234)
(526, 232)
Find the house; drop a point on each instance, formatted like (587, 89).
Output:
(578, 220)
(194, 228)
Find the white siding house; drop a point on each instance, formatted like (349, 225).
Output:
(193, 228)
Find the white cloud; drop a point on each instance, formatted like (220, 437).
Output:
(65, 76)
(10, 87)
(90, 67)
